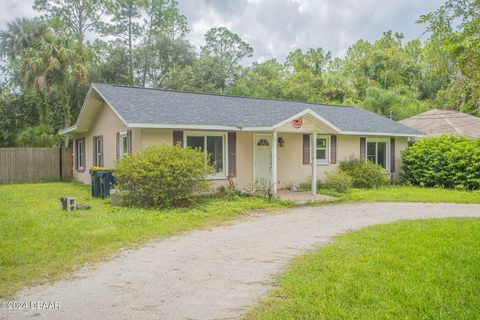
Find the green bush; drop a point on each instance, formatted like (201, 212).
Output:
(39, 136)
(364, 174)
(339, 181)
(446, 161)
(162, 176)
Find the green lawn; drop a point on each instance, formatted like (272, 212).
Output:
(407, 194)
(425, 269)
(40, 242)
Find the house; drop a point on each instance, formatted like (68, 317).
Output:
(438, 122)
(247, 138)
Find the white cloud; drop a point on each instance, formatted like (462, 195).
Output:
(275, 27)
(11, 9)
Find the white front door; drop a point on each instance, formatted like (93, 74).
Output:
(262, 157)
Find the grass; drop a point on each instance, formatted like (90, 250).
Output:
(425, 269)
(396, 193)
(40, 242)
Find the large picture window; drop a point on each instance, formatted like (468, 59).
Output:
(213, 146)
(322, 148)
(377, 152)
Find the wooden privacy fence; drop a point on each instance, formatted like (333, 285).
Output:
(20, 165)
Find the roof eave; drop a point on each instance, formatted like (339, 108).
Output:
(68, 130)
(383, 134)
(182, 126)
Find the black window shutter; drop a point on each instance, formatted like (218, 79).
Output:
(333, 149)
(392, 154)
(178, 138)
(129, 139)
(95, 151)
(75, 147)
(306, 149)
(117, 146)
(232, 154)
(363, 148)
(101, 151)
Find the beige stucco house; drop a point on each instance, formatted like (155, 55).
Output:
(283, 142)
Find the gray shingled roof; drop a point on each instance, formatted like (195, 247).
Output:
(437, 122)
(157, 106)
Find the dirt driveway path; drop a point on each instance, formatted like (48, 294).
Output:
(212, 274)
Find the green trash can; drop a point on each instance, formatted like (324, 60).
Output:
(107, 181)
(95, 183)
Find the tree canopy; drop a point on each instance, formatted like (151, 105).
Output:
(49, 62)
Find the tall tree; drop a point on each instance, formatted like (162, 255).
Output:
(59, 61)
(222, 53)
(264, 80)
(163, 42)
(78, 16)
(455, 26)
(20, 34)
(314, 60)
(124, 24)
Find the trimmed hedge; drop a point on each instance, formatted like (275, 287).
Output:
(445, 161)
(162, 176)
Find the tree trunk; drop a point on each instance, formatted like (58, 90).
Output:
(147, 54)
(130, 45)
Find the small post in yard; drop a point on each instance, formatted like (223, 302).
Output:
(314, 163)
(274, 163)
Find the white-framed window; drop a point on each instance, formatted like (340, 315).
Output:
(214, 146)
(80, 152)
(322, 149)
(378, 151)
(98, 151)
(123, 140)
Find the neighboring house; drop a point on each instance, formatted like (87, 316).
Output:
(438, 122)
(247, 138)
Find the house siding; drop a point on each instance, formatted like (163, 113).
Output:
(156, 136)
(107, 125)
(291, 169)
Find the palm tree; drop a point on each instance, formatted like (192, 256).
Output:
(20, 34)
(54, 65)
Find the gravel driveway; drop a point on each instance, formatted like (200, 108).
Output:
(212, 274)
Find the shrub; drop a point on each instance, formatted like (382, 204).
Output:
(339, 181)
(364, 174)
(162, 176)
(447, 161)
(39, 136)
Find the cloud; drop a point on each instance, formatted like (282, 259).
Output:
(276, 27)
(11, 9)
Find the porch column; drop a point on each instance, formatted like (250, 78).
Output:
(274, 162)
(314, 163)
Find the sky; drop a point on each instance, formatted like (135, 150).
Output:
(275, 27)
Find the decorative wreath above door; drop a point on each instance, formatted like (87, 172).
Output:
(297, 123)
